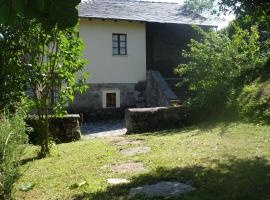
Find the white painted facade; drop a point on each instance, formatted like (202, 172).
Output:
(103, 65)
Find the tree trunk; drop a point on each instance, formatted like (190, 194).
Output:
(45, 131)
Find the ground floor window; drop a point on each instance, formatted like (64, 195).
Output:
(111, 98)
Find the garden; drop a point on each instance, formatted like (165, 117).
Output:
(222, 150)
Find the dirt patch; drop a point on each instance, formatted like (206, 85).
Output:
(128, 167)
(135, 150)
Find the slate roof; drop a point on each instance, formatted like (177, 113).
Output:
(138, 10)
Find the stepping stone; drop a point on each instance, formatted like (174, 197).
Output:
(128, 167)
(135, 150)
(162, 189)
(117, 181)
(115, 139)
(128, 142)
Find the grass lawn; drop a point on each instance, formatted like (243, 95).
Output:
(221, 160)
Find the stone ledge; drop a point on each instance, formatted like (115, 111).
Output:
(156, 118)
(64, 129)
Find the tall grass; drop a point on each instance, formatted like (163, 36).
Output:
(13, 141)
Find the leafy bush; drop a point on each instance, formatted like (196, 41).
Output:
(12, 143)
(220, 64)
(254, 102)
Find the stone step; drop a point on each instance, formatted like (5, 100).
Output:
(180, 91)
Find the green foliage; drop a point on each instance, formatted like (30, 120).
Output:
(47, 64)
(199, 6)
(12, 79)
(257, 11)
(62, 13)
(51, 64)
(12, 144)
(219, 64)
(254, 102)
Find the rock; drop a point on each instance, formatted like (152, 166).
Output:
(135, 150)
(128, 167)
(117, 181)
(163, 189)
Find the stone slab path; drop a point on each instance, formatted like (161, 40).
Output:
(128, 167)
(114, 131)
(135, 150)
(111, 128)
(128, 142)
(117, 181)
(162, 189)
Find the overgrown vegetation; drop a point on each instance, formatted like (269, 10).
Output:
(51, 62)
(13, 141)
(43, 66)
(12, 79)
(220, 65)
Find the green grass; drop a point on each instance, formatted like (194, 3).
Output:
(223, 161)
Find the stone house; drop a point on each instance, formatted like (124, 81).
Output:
(132, 47)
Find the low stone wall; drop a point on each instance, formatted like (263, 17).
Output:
(152, 119)
(65, 129)
(158, 93)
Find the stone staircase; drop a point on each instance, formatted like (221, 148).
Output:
(167, 86)
(180, 92)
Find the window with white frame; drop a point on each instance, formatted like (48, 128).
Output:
(119, 44)
(111, 98)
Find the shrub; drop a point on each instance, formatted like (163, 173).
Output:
(254, 102)
(220, 64)
(13, 140)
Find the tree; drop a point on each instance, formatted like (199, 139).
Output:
(246, 7)
(12, 79)
(48, 12)
(199, 6)
(51, 63)
(256, 11)
(219, 64)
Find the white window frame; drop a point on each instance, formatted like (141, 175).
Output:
(104, 97)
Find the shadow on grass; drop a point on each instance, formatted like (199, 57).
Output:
(222, 123)
(31, 159)
(235, 179)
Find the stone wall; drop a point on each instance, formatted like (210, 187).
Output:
(90, 102)
(152, 119)
(65, 129)
(158, 93)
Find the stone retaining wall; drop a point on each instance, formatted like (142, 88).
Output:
(65, 129)
(152, 119)
(91, 100)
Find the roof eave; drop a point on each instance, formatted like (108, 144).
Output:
(150, 21)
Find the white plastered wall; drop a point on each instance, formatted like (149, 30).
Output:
(105, 67)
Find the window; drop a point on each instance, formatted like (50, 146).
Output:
(111, 98)
(119, 44)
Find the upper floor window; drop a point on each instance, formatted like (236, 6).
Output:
(119, 44)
